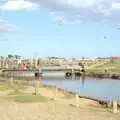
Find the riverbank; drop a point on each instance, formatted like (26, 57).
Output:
(93, 73)
(110, 69)
(90, 87)
(100, 74)
(63, 108)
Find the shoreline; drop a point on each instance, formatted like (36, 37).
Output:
(104, 75)
(88, 73)
(101, 102)
(62, 108)
(25, 80)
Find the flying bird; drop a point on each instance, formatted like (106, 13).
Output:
(105, 37)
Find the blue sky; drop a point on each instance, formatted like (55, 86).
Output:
(40, 32)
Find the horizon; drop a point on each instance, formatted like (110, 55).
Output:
(64, 57)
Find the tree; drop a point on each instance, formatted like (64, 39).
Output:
(80, 64)
(1, 57)
(10, 56)
(17, 56)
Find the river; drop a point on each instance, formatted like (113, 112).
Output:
(92, 87)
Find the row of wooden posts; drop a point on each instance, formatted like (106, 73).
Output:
(114, 104)
(37, 83)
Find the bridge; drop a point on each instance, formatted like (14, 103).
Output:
(49, 68)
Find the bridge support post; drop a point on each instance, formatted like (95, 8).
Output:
(72, 71)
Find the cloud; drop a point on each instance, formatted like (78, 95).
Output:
(107, 11)
(6, 26)
(12, 5)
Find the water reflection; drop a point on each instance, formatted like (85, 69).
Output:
(83, 80)
(80, 79)
(97, 88)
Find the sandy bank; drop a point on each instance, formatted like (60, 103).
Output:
(61, 109)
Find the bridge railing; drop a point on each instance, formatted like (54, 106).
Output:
(49, 68)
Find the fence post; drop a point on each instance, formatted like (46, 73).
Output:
(11, 81)
(115, 110)
(36, 87)
(77, 100)
(55, 94)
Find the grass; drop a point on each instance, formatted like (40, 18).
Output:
(111, 64)
(24, 98)
(17, 93)
(18, 96)
(111, 67)
(4, 87)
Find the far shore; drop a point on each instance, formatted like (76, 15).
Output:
(103, 75)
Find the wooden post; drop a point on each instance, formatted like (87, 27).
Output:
(72, 71)
(11, 82)
(77, 100)
(36, 86)
(109, 104)
(55, 94)
(115, 107)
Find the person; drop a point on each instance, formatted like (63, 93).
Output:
(36, 74)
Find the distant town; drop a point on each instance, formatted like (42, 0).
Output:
(15, 61)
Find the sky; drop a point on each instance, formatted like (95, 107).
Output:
(66, 28)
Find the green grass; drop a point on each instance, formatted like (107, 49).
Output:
(111, 64)
(24, 98)
(18, 96)
(111, 67)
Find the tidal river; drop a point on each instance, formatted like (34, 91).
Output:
(92, 87)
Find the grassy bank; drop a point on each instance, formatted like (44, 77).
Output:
(108, 70)
(19, 96)
(18, 93)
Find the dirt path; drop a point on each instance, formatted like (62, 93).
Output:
(61, 109)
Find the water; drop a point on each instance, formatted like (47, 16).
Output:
(61, 74)
(93, 87)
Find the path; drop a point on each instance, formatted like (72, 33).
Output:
(54, 110)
